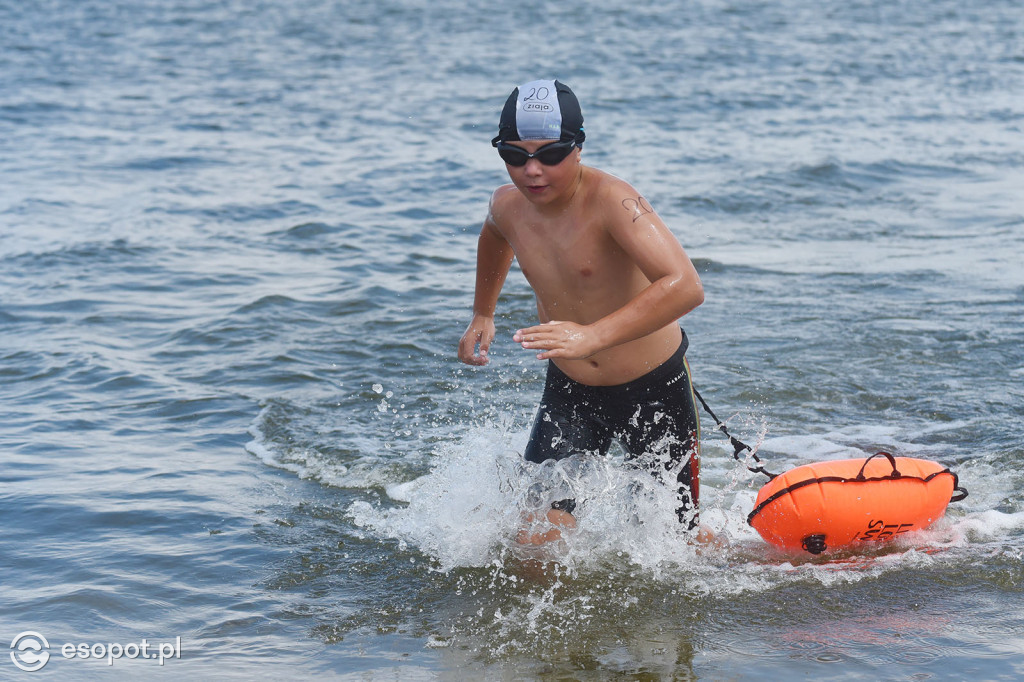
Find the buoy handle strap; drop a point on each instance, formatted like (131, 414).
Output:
(738, 445)
(959, 492)
(892, 460)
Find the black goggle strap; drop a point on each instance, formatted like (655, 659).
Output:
(578, 140)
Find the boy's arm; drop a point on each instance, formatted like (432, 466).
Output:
(493, 259)
(675, 287)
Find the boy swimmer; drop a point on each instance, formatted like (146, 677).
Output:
(610, 280)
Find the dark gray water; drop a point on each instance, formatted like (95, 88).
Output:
(236, 252)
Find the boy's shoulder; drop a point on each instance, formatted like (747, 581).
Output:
(606, 194)
(504, 194)
(604, 185)
(503, 199)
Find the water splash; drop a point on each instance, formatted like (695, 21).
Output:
(479, 493)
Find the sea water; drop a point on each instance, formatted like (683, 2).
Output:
(237, 246)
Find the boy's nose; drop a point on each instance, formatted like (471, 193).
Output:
(533, 167)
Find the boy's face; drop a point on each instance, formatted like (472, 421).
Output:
(543, 184)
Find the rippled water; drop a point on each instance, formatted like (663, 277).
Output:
(236, 254)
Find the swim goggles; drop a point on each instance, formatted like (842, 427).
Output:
(549, 155)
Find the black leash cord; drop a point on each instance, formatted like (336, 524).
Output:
(738, 445)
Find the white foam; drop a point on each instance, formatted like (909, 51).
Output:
(461, 512)
(991, 524)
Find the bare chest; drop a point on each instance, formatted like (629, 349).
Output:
(572, 268)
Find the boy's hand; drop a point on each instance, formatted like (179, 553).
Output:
(559, 340)
(480, 332)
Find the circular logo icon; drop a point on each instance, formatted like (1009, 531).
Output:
(29, 651)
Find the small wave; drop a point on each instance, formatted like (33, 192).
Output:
(249, 213)
(116, 251)
(357, 468)
(307, 231)
(162, 163)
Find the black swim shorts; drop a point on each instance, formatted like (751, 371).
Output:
(653, 416)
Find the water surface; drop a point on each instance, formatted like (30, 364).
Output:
(236, 254)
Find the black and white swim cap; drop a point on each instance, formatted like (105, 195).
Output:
(541, 110)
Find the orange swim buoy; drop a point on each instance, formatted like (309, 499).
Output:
(829, 505)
